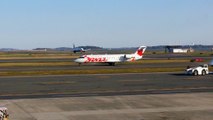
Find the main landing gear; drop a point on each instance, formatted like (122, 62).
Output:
(111, 64)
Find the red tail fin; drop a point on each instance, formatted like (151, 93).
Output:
(141, 50)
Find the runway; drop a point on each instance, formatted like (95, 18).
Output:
(102, 85)
(58, 63)
(126, 96)
(92, 67)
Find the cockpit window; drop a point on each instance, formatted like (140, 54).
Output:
(81, 57)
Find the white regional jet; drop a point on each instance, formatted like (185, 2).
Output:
(111, 59)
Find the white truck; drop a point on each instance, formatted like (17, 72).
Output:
(4, 113)
(200, 70)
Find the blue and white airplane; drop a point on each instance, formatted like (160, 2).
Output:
(78, 49)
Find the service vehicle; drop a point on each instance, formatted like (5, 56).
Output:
(211, 63)
(4, 115)
(199, 70)
(197, 60)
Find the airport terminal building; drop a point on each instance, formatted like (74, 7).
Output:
(178, 49)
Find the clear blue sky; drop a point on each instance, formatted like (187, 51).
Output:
(27, 24)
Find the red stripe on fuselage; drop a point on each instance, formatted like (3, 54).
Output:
(96, 59)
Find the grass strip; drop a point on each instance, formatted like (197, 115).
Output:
(36, 57)
(143, 61)
(34, 64)
(91, 71)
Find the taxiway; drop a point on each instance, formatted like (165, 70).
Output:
(102, 84)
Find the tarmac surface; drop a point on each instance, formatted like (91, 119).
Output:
(190, 106)
(102, 85)
(93, 66)
(132, 96)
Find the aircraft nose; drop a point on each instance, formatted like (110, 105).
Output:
(79, 60)
(76, 60)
